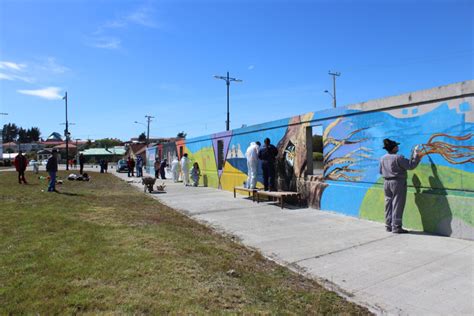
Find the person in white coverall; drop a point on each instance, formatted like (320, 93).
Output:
(252, 163)
(175, 169)
(185, 169)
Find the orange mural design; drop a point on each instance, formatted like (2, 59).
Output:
(455, 154)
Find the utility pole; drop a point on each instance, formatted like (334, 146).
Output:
(1, 137)
(334, 75)
(66, 133)
(148, 118)
(228, 80)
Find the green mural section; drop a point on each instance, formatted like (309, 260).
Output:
(207, 163)
(429, 207)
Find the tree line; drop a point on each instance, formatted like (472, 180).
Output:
(11, 132)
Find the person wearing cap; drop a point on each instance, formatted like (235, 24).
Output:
(52, 168)
(393, 168)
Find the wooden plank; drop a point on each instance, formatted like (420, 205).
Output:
(250, 191)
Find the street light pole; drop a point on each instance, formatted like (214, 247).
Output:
(334, 75)
(228, 80)
(66, 133)
(148, 118)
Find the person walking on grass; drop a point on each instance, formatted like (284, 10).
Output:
(21, 163)
(195, 174)
(185, 169)
(393, 168)
(82, 160)
(52, 169)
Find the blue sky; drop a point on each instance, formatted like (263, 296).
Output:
(120, 60)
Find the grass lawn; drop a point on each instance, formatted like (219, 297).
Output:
(104, 247)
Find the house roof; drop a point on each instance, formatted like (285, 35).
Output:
(63, 146)
(136, 148)
(55, 136)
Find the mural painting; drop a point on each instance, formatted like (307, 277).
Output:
(441, 188)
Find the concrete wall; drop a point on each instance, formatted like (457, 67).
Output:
(441, 190)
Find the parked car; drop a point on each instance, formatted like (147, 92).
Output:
(32, 162)
(122, 166)
(44, 162)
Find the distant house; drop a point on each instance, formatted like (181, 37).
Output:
(43, 154)
(109, 154)
(24, 147)
(53, 140)
(135, 149)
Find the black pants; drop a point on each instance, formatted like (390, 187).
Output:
(162, 173)
(81, 168)
(21, 176)
(268, 176)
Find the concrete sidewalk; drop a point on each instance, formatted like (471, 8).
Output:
(395, 274)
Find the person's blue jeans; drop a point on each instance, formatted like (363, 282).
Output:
(52, 181)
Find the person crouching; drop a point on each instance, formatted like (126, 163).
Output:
(195, 174)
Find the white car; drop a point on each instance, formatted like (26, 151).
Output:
(44, 162)
(32, 162)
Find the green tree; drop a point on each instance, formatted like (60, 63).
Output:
(181, 134)
(142, 137)
(317, 143)
(34, 134)
(107, 142)
(23, 135)
(9, 132)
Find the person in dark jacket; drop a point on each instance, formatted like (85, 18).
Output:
(21, 163)
(131, 166)
(82, 160)
(267, 154)
(393, 168)
(102, 165)
(163, 166)
(52, 169)
(156, 166)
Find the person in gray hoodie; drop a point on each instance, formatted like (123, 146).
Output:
(393, 168)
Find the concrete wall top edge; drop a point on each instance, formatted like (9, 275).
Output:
(442, 92)
(454, 90)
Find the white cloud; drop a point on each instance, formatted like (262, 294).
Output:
(105, 42)
(43, 68)
(142, 16)
(52, 66)
(251, 67)
(11, 77)
(50, 93)
(5, 77)
(11, 65)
